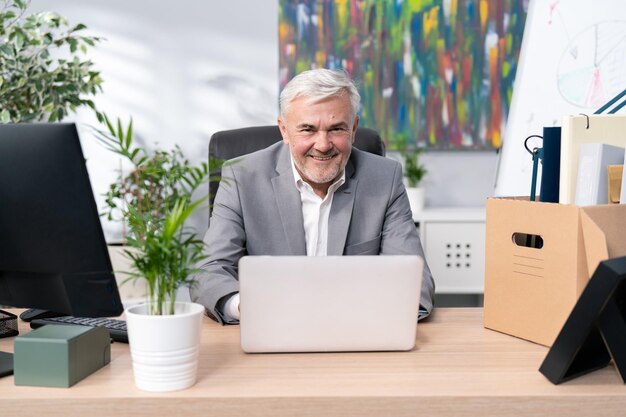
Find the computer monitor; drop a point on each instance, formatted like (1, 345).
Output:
(53, 255)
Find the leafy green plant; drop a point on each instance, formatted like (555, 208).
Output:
(42, 75)
(157, 180)
(167, 252)
(154, 200)
(413, 170)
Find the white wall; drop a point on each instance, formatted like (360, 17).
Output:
(187, 69)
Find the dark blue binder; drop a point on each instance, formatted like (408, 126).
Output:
(550, 165)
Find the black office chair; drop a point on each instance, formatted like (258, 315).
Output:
(228, 144)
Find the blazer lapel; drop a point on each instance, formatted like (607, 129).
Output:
(289, 204)
(341, 213)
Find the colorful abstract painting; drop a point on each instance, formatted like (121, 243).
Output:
(431, 73)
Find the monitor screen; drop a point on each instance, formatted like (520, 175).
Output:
(53, 255)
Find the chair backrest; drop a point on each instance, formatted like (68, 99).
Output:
(228, 144)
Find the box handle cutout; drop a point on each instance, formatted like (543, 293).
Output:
(528, 241)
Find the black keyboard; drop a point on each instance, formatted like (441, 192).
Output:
(116, 328)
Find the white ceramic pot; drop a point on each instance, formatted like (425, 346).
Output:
(416, 198)
(165, 349)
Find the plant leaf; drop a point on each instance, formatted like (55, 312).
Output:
(5, 116)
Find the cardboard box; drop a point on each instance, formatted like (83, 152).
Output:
(532, 283)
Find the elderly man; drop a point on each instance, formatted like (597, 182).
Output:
(312, 194)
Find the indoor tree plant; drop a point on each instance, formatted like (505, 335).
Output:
(154, 201)
(153, 197)
(43, 72)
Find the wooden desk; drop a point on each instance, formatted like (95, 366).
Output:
(458, 369)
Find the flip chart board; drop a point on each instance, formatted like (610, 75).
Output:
(572, 61)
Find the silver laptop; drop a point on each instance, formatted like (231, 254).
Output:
(329, 303)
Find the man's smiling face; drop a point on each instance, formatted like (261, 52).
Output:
(320, 135)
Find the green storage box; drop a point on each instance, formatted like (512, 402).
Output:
(60, 355)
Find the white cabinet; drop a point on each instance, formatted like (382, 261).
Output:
(454, 244)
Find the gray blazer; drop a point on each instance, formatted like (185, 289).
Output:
(257, 211)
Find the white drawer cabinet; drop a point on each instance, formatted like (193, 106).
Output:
(454, 244)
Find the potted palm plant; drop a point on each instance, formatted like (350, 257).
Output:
(154, 201)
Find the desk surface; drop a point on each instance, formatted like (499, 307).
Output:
(458, 368)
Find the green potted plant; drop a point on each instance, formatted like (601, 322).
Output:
(414, 172)
(142, 200)
(154, 200)
(43, 72)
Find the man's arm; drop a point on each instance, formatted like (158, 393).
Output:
(225, 244)
(399, 236)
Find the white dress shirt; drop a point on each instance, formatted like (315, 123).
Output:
(315, 212)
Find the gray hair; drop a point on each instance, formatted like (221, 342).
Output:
(319, 84)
